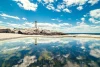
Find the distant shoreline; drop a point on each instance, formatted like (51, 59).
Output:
(84, 33)
(6, 36)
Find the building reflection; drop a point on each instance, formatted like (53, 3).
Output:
(35, 41)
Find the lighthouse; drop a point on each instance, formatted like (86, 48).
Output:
(35, 24)
(36, 28)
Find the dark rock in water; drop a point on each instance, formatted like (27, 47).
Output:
(5, 31)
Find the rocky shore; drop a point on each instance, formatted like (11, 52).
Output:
(31, 31)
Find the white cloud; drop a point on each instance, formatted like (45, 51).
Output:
(85, 15)
(39, 0)
(94, 21)
(66, 10)
(26, 4)
(49, 4)
(48, 25)
(24, 18)
(80, 7)
(57, 19)
(50, 7)
(9, 16)
(66, 4)
(62, 27)
(95, 16)
(14, 25)
(65, 24)
(92, 2)
(74, 2)
(79, 2)
(81, 23)
(27, 24)
(48, 1)
(61, 6)
(95, 13)
(83, 28)
(57, 10)
(83, 19)
(24, 25)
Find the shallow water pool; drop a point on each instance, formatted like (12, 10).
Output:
(50, 52)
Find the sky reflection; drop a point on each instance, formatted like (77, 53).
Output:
(50, 52)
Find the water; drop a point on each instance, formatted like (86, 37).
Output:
(84, 33)
(50, 52)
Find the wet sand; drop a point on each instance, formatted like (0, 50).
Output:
(6, 36)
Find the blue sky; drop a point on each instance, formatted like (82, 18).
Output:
(72, 16)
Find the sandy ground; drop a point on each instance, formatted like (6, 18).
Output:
(5, 36)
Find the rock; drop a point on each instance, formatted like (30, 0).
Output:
(5, 31)
(19, 32)
(31, 31)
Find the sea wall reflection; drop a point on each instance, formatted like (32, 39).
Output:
(50, 52)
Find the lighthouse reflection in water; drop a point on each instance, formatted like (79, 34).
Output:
(50, 52)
